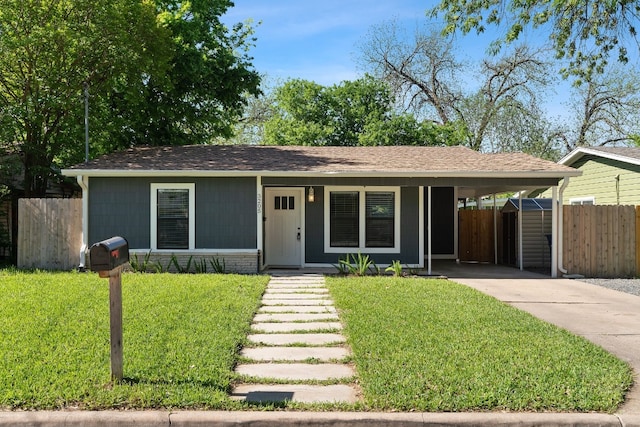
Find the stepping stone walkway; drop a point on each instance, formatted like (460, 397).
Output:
(296, 336)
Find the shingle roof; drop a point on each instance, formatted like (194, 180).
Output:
(321, 160)
(631, 152)
(623, 154)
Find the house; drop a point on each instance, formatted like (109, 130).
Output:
(610, 176)
(258, 207)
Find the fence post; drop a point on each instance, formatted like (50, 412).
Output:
(637, 240)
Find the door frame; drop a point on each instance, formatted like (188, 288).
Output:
(300, 191)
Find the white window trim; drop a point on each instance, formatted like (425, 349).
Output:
(581, 200)
(154, 213)
(361, 221)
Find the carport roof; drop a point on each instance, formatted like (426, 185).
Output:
(245, 160)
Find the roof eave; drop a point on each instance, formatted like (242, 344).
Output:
(352, 174)
(578, 153)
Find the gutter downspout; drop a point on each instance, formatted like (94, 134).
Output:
(85, 220)
(565, 182)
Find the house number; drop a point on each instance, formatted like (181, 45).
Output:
(259, 204)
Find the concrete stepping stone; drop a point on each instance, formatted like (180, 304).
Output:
(266, 297)
(295, 354)
(261, 393)
(305, 291)
(297, 302)
(297, 309)
(293, 317)
(296, 371)
(290, 339)
(296, 326)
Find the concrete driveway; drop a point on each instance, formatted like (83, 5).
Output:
(606, 317)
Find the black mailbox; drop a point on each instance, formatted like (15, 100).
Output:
(109, 254)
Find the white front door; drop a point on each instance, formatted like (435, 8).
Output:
(283, 227)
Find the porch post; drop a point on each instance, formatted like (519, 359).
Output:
(554, 232)
(260, 222)
(429, 230)
(520, 217)
(495, 231)
(421, 226)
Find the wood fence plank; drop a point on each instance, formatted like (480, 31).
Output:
(49, 233)
(637, 273)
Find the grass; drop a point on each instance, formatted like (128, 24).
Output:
(427, 345)
(181, 338)
(434, 345)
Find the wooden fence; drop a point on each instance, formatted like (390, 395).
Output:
(49, 233)
(476, 235)
(602, 241)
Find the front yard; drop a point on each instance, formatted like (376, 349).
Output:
(418, 344)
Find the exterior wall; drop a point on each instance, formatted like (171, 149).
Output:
(121, 207)
(598, 180)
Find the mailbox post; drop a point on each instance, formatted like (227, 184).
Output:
(108, 258)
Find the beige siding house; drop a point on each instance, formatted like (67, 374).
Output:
(610, 176)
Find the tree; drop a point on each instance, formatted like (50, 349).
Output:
(205, 90)
(425, 74)
(48, 52)
(158, 72)
(605, 111)
(585, 32)
(352, 113)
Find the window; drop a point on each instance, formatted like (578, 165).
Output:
(379, 220)
(284, 203)
(172, 216)
(362, 219)
(344, 217)
(583, 201)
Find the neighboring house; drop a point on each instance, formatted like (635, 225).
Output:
(610, 176)
(292, 206)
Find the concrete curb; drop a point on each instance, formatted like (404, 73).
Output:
(335, 419)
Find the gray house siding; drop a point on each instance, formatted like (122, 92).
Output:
(225, 211)
(119, 207)
(409, 236)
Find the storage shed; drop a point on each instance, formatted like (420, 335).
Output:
(536, 231)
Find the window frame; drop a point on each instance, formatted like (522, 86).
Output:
(361, 190)
(587, 200)
(191, 187)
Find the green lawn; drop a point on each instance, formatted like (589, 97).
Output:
(434, 345)
(181, 337)
(418, 345)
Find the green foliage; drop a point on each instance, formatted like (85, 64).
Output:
(358, 265)
(145, 265)
(587, 33)
(181, 340)
(204, 91)
(352, 113)
(158, 72)
(48, 53)
(218, 266)
(434, 345)
(177, 267)
(395, 268)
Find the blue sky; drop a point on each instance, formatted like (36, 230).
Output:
(316, 40)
